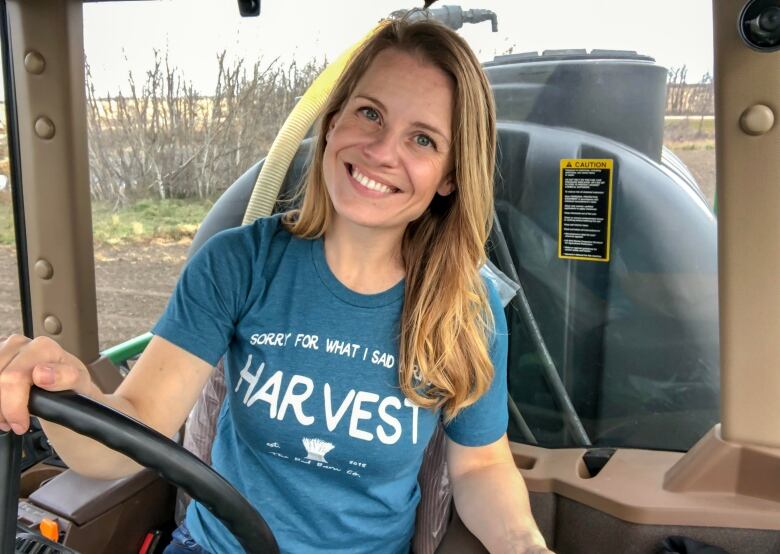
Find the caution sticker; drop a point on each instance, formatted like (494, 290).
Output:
(585, 210)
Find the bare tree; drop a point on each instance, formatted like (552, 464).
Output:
(692, 99)
(705, 101)
(162, 139)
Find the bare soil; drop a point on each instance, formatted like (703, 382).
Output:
(134, 281)
(133, 285)
(701, 162)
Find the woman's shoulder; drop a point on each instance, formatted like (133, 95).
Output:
(260, 230)
(255, 236)
(244, 247)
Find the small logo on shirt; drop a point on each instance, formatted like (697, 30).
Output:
(316, 449)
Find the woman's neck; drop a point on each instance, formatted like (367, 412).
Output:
(365, 260)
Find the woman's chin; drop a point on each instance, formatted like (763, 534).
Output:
(368, 221)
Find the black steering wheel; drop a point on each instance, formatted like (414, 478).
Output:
(157, 452)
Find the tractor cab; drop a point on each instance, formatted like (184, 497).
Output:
(634, 245)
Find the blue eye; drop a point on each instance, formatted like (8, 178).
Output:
(424, 140)
(370, 113)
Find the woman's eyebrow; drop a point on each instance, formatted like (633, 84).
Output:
(426, 126)
(372, 99)
(432, 129)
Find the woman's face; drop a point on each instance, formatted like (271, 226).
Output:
(389, 148)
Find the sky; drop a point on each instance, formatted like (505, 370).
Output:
(122, 36)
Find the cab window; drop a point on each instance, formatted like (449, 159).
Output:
(10, 300)
(613, 319)
(605, 202)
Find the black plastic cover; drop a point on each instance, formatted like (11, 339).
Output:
(616, 94)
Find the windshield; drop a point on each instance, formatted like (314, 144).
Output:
(604, 191)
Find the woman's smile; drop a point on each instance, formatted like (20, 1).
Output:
(368, 186)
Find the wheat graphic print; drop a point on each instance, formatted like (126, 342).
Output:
(316, 449)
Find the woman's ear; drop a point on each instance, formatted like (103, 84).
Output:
(447, 185)
(331, 125)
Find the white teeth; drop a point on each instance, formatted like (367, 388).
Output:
(369, 183)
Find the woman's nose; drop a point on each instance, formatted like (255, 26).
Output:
(382, 148)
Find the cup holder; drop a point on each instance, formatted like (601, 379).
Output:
(523, 461)
(593, 461)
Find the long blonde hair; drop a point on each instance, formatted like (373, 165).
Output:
(446, 321)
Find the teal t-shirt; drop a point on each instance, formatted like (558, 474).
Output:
(314, 430)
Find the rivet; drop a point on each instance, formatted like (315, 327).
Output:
(52, 325)
(34, 62)
(757, 120)
(44, 127)
(44, 269)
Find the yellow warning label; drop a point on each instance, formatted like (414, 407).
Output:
(588, 164)
(585, 209)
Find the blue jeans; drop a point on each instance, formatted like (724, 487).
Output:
(183, 543)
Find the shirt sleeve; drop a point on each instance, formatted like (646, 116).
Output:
(210, 295)
(486, 420)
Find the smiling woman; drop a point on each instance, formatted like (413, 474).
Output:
(380, 268)
(413, 111)
(396, 210)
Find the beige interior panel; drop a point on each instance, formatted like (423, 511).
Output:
(748, 188)
(49, 86)
(663, 488)
(579, 529)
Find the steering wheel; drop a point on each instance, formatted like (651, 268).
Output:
(157, 452)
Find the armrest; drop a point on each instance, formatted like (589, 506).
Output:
(82, 499)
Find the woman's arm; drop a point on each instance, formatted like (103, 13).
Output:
(164, 384)
(159, 391)
(491, 498)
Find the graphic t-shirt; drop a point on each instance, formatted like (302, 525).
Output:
(314, 431)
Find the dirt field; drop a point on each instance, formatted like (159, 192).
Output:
(702, 165)
(134, 282)
(133, 285)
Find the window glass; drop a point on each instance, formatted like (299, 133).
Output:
(612, 342)
(605, 196)
(10, 300)
(176, 113)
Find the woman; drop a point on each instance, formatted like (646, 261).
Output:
(349, 327)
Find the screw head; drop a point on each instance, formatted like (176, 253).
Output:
(757, 120)
(44, 127)
(44, 269)
(34, 63)
(52, 325)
